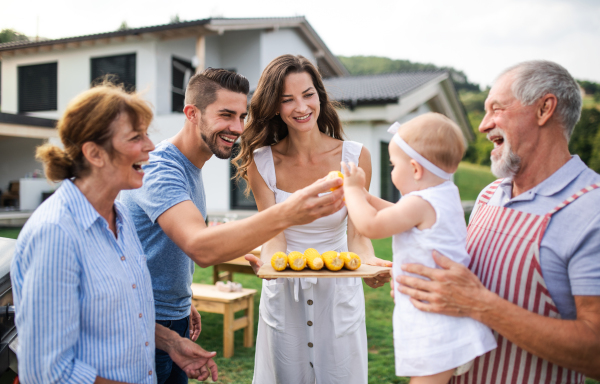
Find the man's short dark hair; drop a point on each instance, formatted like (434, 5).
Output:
(202, 88)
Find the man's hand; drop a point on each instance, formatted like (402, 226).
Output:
(305, 205)
(353, 176)
(453, 290)
(195, 323)
(382, 278)
(193, 360)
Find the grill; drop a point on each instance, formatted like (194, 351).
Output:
(8, 331)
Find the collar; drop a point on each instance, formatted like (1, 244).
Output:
(558, 181)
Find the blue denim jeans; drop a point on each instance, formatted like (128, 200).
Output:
(168, 372)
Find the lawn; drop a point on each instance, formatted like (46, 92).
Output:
(471, 179)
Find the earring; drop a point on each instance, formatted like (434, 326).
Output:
(276, 113)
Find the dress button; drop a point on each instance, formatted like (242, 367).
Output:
(310, 302)
(133, 286)
(122, 258)
(310, 345)
(150, 372)
(140, 315)
(311, 365)
(309, 323)
(147, 343)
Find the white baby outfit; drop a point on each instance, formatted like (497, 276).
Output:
(428, 343)
(311, 330)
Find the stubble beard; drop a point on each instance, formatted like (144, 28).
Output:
(212, 142)
(508, 164)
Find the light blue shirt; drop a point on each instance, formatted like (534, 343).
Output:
(570, 248)
(169, 179)
(83, 298)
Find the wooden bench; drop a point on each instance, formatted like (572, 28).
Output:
(206, 298)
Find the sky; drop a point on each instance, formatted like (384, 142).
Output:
(479, 37)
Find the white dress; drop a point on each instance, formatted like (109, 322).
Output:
(427, 343)
(311, 330)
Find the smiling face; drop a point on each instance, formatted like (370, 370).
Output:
(300, 106)
(222, 122)
(509, 125)
(131, 150)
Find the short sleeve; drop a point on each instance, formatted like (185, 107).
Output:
(165, 185)
(583, 266)
(263, 158)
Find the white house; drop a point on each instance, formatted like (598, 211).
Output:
(39, 78)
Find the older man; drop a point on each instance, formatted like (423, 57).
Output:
(534, 239)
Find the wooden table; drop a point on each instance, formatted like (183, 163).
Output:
(224, 271)
(207, 298)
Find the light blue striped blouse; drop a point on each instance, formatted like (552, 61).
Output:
(84, 305)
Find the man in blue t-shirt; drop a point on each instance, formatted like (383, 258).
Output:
(169, 210)
(529, 276)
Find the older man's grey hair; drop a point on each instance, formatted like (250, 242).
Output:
(534, 79)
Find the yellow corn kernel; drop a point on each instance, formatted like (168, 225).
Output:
(332, 175)
(279, 261)
(332, 260)
(313, 259)
(297, 261)
(351, 260)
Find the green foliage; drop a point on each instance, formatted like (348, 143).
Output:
(8, 35)
(585, 140)
(471, 179)
(123, 26)
(372, 65)
(175, 19)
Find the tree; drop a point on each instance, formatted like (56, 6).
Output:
(123, 26)
(175, 19)
(585, 135)
(8, 35)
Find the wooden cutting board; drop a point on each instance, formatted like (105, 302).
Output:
(267, 272)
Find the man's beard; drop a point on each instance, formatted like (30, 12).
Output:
(212, 142)
(508, 164)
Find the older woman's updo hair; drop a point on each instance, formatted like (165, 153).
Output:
(88, 118)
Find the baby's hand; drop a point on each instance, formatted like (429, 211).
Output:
(353, 176)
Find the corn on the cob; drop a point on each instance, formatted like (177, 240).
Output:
(297, 261)
(351, 260)
(313, 259)
(332, 175)
(279, 261)
(332, 260)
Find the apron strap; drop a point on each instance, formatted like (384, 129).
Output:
(489, 192)
(573, 198)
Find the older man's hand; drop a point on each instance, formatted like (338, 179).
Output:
(453, 290)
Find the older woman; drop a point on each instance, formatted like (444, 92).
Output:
(82, 291)
(309, 329)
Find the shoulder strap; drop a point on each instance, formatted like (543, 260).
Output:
(489, 192)
(263, 158)
(574, 197)
(351, 151)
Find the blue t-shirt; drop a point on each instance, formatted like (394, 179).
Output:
(570, 247)
(169, 179)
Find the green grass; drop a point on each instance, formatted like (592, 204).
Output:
(10, 233)
(471, 179)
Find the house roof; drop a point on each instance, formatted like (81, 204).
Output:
(9, 118)
(188, 28)
(377, 89)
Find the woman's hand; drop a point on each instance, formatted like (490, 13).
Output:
(195, 323)
(255, 263)
(382, 278)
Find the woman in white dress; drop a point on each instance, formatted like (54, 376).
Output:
(310, 330)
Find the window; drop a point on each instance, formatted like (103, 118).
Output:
(121, 68)
(37, 87)
(181, 71)
(388, 190)
(237, 198)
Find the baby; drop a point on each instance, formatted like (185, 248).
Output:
(424, 152)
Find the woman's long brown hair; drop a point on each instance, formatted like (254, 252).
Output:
(264, 127)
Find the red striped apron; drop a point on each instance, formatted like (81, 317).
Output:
(504, 245)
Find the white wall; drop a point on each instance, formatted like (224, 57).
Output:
(182, 48)
(17, 158)
(74, 72)
(240, 50)
(283, 41)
